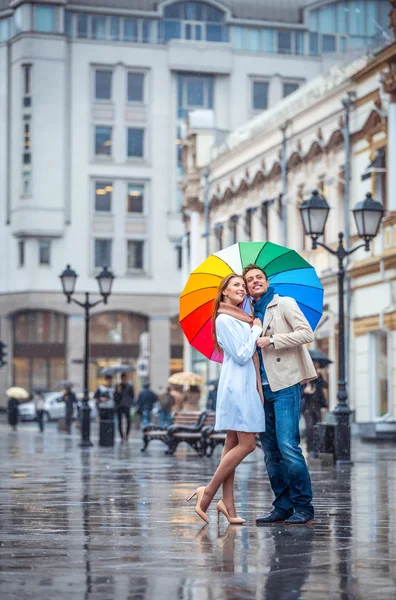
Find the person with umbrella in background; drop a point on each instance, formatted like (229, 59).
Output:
(123, 400)
(70, 401)
(313, 399)
(145, 402)
(15, 394)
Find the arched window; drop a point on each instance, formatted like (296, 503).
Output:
(194, 21)
(39, 348)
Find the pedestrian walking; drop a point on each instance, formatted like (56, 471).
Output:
(145, 403)
(123, 401)
(166, 402)
(212, 397)
(13, 413)
(284, 364)
(104, 394)
(239, 401)
(313, 401)
(39, 407)
(70, 400)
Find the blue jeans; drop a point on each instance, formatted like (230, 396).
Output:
(146, 417)
(165, 418)
(286, 466)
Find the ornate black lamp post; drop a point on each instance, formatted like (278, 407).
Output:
(105, 282)
(368, 215)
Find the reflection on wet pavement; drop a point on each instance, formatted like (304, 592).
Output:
(113, 523)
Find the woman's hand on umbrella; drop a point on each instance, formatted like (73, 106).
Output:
(257, 322)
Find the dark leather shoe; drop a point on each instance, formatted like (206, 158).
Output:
(298, 518)
(276, 516)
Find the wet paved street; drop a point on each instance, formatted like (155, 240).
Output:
(112, 523)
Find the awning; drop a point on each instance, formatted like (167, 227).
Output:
(378, 165)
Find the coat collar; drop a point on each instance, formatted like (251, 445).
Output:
(274, 301)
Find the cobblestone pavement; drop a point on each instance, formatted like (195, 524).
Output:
(110, 523)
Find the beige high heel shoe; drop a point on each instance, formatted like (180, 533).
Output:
(221, 508)
(199, 492)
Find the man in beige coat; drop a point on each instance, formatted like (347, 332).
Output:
(284, 364)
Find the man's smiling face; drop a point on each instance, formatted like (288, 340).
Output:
(256, 283)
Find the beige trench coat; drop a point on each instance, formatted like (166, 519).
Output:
(287, 362)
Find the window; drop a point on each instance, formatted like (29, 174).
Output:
(328, 43)
(135, 142)
(135, 249)
(264, 220)
(253, 39)
(4, 29)
(260, 95)
(135, 198)
(103, 192)
(214, 33)
(103, 141)
(114, 28)
(193, 91)
(284, 42)
(44, 252)
(27, 70)
(380, 374)
(147, 28)
(21, 253)
(82, 25)
(289, 88)
(130, 30)
(135, 87)
(18, 20)
(171, 30)
(313, 44)
(99, 27)
(44, 18)
(26, 183)
(102, 253)
(69, 23)
(103, 81)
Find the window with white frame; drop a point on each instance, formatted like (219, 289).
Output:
(103, 140)
(102, 253)
(21, 253)
(380, 373)
(135, 142)
(103, 193)
(135, 87)
(260, 95)
(103, 84)
(44, 252)
(44, 18)
(289, 87)
(135, 255)
(135, 199)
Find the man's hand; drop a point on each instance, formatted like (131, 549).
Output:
(263, 342)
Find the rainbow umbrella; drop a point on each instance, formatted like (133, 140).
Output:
(289, 273)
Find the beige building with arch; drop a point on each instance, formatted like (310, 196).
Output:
(246, 202)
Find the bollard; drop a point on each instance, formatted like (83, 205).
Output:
(106, 427)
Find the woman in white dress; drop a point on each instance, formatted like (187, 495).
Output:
(240, 408)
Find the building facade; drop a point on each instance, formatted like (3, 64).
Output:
(93, 104)
(249, 200)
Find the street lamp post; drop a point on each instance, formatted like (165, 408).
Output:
(105, 282)
(368, 215)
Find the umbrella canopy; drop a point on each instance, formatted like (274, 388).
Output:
(185, 378)
(18, 393)
(116, 370)
(319, 357)
(63, 384)
(288, 272)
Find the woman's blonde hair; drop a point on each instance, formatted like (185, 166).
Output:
(219, 298)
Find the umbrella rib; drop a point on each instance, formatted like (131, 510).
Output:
(313, 287)
(286, 270)
(199, 290)
(309, 307)
(276, 258)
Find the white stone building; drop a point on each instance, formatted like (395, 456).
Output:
(248, 200)
(93, 101)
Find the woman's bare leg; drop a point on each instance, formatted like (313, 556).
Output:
(246, 445)
(228, 484)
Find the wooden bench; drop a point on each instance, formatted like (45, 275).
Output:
(191, 435)
(181, 418)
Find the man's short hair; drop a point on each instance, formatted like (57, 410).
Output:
(251, 267)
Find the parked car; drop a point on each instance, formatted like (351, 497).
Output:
(54, 408)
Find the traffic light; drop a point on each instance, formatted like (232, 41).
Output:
(3, 354)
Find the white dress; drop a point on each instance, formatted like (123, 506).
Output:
(239, 406)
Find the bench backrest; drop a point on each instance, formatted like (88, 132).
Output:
(187, 418)
(210, 419)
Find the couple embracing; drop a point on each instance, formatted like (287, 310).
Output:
(265, 360)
